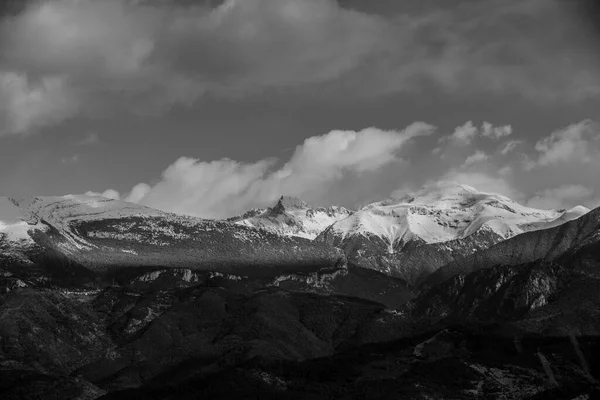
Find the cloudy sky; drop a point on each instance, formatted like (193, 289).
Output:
(213, 107)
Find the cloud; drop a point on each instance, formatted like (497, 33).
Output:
(495, 132)
(86, 57)
(475, 158)
(90, 139)
(110, 194)
(155, 55)
(565, 196)
(138, 192)
(227, 187)
(509, 146)
(465, 134)
(404, 190)
(484, 182)
(26, 104)
(577, 143)
(495, 46)
(354, 167)
(337, 151)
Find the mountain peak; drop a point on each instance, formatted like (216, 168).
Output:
(441, 189)
(293, 217)
(441, 212)
(441, 194)
(289, 202)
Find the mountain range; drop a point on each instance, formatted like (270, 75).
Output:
(412, 236)
(448, 292)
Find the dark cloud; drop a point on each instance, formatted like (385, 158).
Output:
(148, 55)
(587, 12)
(153, 56)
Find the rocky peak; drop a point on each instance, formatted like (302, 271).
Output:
(289, 203)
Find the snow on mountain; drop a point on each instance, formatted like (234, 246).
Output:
(293, 217)
(20, 216)
(447, 211)
(412, 236)
(97, 234)
(12, 224)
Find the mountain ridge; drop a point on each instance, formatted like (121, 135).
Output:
(414, 235)
(96, 235)
(291, 216)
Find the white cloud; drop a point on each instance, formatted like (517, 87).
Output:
(209, 189)
(138, 192)
(402, 191)
(110, 194)
(26, 105)
(361, 151)
(509, 146)
(565, 196)
(475, 158)
(577, 143)
(495, 132)
(484, 182)
(370, 163)
(465, 134)
(226, 187)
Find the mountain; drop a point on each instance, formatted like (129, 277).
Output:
(412, 236)
(292, 217)
(84, 238)
(517, 320)
(542, 245)
(543, 282)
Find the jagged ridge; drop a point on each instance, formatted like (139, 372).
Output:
(291, 216)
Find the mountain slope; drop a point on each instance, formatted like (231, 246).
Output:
(293, 217)
(548, 244)
(413, 236)
(97, 236)
(544, 282)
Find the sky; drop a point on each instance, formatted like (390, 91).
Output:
(214, 107)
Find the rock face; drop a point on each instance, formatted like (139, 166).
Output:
(83, 237)
(293, 217)
(413, 236)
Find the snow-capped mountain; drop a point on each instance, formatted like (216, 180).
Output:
(433, 226)
(293, 217)
(85, 235)
(20, 216)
